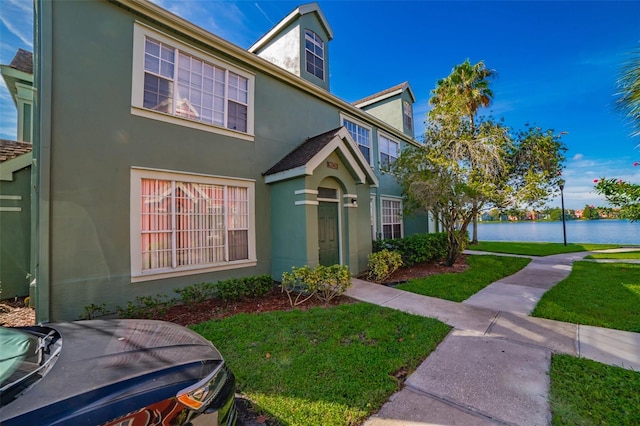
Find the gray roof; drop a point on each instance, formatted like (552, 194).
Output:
(22, 61)
(12, 149)
(303, 153)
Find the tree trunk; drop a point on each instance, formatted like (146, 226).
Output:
(474, 240)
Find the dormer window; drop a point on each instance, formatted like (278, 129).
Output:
(407, 111)
(314, 47)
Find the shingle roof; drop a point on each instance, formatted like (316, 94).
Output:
(303, 153)
(12, 149)
(23, 61)
(382, 95)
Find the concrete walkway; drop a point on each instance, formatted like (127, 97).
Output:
(493, 367)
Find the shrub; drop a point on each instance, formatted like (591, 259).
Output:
(324, 282)
(196, 293)
(383, 263)
(146, 307)
(416, 249)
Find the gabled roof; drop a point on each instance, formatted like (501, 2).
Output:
(307, 156)
(297, 12)
(14, 156)
(392, 91)
(18, 72)
(22, 61)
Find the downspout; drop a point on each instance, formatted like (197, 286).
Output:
(43, 53)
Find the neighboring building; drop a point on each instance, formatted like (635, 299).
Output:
(169, 156)
(15, 181)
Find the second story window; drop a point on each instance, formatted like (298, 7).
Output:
(361, 136)
(314, 48)
(179, 84)
(407, 112)
(388, 151)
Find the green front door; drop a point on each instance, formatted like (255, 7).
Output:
(328, 233)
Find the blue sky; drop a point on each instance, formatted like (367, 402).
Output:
(557, 62)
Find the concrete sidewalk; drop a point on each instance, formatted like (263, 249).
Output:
(493, 367)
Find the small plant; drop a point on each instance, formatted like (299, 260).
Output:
(324, 282)
(383, 263)
(334, 281)
(92, 311)
(196, 293)
(146, 307)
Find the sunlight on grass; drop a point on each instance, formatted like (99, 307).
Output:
(537, 249)
(622, 255)
(585, 392)
(333, 366)
(483, 270)
(599, 294)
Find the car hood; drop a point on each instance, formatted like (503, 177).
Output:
(98, 353)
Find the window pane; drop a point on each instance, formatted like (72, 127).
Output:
(237, 117)
(157, 94)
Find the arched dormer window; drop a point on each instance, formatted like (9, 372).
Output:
(314, 47)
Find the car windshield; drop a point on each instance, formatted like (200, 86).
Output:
(24, 358)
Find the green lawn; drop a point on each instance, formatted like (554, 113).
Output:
(333, 366)
(585, 392)
(483, 270)
(623, 255)
(599, 294)
(537, 249)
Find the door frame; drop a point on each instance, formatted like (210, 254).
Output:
(340, 230)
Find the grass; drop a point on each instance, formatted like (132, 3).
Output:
(585, 392)
(604, 295)
(536, 249)
(333, 366)
(482, 271)
(622, 255)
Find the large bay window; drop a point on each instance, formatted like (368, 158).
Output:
(183, 222)
(179, 81)
(391, 218)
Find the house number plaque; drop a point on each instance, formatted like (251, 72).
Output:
(332, 165)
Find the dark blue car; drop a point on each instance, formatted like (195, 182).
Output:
(113, 372)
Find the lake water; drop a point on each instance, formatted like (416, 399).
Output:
(578, 231)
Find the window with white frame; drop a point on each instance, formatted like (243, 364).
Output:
(391, 219)
(183, 82)
(388, 151)
(183, 222)
(361, 135)
(314, 49)
(407, 110)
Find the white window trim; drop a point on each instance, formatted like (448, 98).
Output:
(390, 198)
(374, 217)
(140, 32)
(324, 50)
(137, 174)
(363, 125)
(390, 138)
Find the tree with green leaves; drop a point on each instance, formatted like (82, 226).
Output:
(618, 192)
(464, 92)
(629, 95)
(468, 162)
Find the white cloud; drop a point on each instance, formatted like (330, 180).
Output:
(17, 17)
(578, 157)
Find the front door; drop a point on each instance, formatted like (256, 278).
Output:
(328, 239)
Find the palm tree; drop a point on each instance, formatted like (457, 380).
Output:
(463, 93)
(629, 84)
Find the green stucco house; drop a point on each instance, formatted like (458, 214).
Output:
(15, 182)
(168, 156)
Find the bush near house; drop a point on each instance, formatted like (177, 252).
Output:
(152, 306)
(419, 248)
(323, 282)
(383, 263)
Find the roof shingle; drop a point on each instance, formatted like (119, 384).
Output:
(12, 149)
